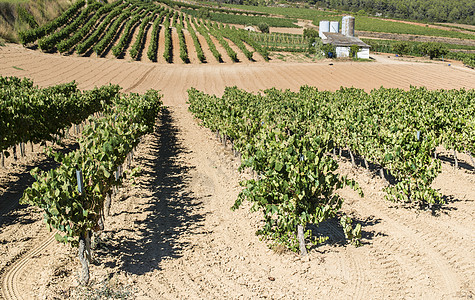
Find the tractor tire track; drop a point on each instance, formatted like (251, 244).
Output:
(11, 277)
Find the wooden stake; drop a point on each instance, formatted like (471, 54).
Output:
(471, 158)
(352, 158)
(14, 153)
(366, 163)
(107, 204)
(84, 255)
(456, 160)
(301, 238)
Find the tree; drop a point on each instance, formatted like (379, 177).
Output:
(310, 33)
(354, 49)
(263, 27)
(401, 48)
(329, 51)
(361, 12)
(434, 50)
(203, 13)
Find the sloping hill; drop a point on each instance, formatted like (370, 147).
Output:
(20, 15)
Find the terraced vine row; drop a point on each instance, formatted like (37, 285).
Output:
(139, 38)
(212, 47)
(94, 37)
(217, 34)
(49, 42)
(168, 54)
(67, 44)
(153, 47)
(89, 31)
(34, 34)
(119, 49)
(196, 42)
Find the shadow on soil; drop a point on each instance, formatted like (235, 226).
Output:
(451, 160)
(11, 212)
(170, 210)
(332, 229)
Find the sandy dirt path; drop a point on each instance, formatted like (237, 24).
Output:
(172, 235)
(174, 80)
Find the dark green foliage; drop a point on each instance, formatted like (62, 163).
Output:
(246, 20)
(329, 50)
(67, 44)
(196, 42)
(119, 49)
(25, 16)
(203, 13)
(401, 48)
(263, 27)
(354, 50)
(49, 42)
(139, 39)
(212, 47)
(310, 34)
(433, 50)
(153, 47)
(34, 34)
(183, 49)
(168, 54)
(459, 11)
(99, 30)
(110, 34)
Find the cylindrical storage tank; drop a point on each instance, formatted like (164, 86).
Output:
(334, 26)
(324, 27)
(348, 26)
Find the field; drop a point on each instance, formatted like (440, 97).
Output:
(363, 23)
(171, 233)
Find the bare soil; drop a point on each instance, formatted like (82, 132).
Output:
(171, 233)
(415, 38)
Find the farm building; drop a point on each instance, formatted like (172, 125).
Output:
(329, 33)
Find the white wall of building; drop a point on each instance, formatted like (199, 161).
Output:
(345, 52)
(363, 53)
(342, 51)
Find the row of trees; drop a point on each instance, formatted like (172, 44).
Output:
(459, 11)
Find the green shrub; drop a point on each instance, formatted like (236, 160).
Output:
(329, 51)
(263, 27)
(434, 50)
(354, 50)
(401, 48)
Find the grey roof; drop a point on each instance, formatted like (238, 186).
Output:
(338, 39)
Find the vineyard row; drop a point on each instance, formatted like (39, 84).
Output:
(120, 25)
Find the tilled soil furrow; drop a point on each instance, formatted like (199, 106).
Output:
(11, 278)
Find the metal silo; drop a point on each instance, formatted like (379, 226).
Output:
(348, 26)
(334, 26)
(324, 27)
